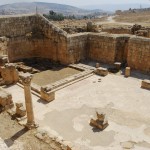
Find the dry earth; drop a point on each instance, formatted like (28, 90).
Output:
(137, 17)
(17, 137)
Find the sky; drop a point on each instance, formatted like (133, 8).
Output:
(80, 2)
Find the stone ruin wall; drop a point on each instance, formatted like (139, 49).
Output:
(17, 25)
(35, 36)
(139, 53)
(118, 30)
(77, 47)
(102, 47)
(128, 49)
(55, 44)
(3, 45)
(121, 50)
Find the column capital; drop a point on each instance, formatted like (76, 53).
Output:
(26, 78)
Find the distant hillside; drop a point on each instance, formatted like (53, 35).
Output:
(114, 7)
(25, 8)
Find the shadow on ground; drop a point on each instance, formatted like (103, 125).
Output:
(10, 141)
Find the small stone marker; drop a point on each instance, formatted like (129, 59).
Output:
(117, 65)
(97, 65)
(127, 71)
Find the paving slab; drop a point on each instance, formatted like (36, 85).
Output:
(124, 102)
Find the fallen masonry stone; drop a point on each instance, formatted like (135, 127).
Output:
(146, 84)
(100, 123)
(5, 99)
(101, 71)
(20, 110)
(9, 74)
(117, 65)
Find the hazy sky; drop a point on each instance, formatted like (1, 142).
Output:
(79, 2)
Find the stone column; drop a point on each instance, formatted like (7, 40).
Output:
(97, 65)
(26, 80)
(127, 71)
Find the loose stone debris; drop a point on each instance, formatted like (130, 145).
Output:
(100, 123)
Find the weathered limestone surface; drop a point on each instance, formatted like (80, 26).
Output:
(146, 84)
(3, 45)
(102, 47)
(121, 48)
(17, 25)
(55, 47)
(3, 60)
(20, 110)
(101, 71)
(34, 36)
(9, 74)
(26, 80)
(77, 47)
(139, 53)
(48, 96)
(5, 99)
(127, 71)
(43, 40)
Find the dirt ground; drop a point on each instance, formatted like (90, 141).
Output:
(77, 23)
(137, 17)
(17, 137)
(51, 76)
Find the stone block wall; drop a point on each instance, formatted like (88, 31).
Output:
(77, 47)
(121, 51)
(3, 45)
(117, 30)
(101, 47)
(55, 41)
(41, 39)
(34, 36)
(139, 53)
(19, 48)
(17, 25)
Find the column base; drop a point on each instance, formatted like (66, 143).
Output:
(31, 126)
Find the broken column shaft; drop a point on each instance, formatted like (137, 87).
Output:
(26, 81)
